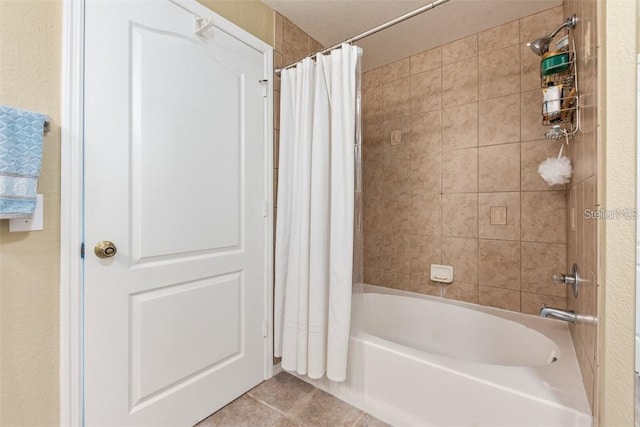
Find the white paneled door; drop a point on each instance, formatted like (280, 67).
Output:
(175, 225)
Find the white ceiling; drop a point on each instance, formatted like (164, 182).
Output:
(332, 21)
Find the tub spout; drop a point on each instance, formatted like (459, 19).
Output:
(556, 313)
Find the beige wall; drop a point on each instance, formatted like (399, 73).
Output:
(30, 43)
(471, 141)
(583, 195)
(252, 15)
(617, 179)
(30, 61)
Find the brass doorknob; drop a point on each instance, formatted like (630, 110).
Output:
(105, 249)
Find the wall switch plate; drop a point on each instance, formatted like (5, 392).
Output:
(35, 223)
(396, 137)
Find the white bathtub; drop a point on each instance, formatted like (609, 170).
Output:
(417, 360)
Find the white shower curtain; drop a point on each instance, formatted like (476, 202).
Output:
(315, 223)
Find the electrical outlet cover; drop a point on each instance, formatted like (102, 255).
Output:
(35, 223)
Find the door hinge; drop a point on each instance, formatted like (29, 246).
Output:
(265, 86)
(264, 329)
(82, 250)
(265, 209)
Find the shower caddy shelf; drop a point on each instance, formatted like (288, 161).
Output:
(568, 116)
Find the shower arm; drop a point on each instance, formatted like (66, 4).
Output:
(569, 24)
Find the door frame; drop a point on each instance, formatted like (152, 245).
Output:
(72, 201)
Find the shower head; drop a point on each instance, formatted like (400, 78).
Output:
(540, 46)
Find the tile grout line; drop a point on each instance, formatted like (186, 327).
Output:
(520, 158)
(411, 172)
(262, 402)
(283, 413)
(478, 180)
(361, 416)
(441, 160)
(299, 402)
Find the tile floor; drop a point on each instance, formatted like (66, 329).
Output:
(286, 401)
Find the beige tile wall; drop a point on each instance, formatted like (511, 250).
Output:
(461, 187)
(582, 194)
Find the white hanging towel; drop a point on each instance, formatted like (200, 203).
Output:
(314, 233)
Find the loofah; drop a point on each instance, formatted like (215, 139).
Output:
(556, 170)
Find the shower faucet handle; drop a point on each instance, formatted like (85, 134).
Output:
(569, 279)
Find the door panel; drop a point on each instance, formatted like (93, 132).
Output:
(207, 104)
(174, 176)
(176, 333)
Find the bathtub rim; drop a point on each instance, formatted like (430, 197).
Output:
(549, 325)
(565, 372)
(554, 350)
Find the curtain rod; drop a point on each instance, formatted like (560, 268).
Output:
(374, 30)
